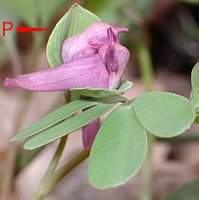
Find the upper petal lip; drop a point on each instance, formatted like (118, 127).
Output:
(93, 37)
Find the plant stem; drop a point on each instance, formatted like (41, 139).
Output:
(51, 182)
(145, 64)
(147, 173)
(55, 160)
(24, 158)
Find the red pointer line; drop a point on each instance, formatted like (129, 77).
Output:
(26, 29)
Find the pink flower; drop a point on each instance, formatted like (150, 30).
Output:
(94, 59)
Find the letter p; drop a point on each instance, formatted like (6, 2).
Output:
(7, 26)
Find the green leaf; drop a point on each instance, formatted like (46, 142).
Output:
(64, 128)
(76, 20)
(187, 192)
(191, 1)
(164, 114)
(54, 118)
(102, 93)
(195, 85)
(118, 150)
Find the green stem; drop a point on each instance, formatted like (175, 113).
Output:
(24, 158)
(55, 160)
(53, 165)
(147, 173)
(145, 64)
(51, 182)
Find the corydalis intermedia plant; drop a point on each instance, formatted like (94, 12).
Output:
(92, 59)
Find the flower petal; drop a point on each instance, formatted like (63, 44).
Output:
(79, 73)
(89, 132)
(115, 57)
(93, 37)
(111, 59)
(123, 56)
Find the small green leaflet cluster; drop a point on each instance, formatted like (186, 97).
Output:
(121, 143)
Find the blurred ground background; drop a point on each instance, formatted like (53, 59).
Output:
(170, 30)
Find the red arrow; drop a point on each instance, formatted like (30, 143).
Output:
(27, 29)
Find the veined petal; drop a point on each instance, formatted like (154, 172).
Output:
(89, 132)
(80, 73)
(92, 38)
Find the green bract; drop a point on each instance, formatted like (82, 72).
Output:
(76, 20)
(102, 93)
